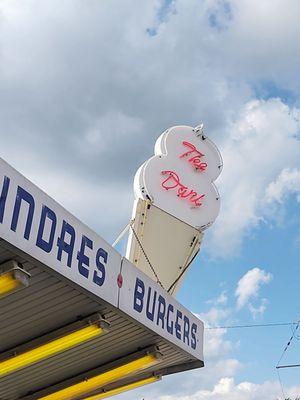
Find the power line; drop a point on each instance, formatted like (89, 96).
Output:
(288, 343)
(278, 367)
(252, 325)
(281, 384)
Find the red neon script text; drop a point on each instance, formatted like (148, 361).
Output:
(173, 182)
(195, 160)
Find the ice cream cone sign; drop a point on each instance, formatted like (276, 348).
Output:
(179, 178)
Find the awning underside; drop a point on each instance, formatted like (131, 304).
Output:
(51, 302)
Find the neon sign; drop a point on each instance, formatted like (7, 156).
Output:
(179, 178)
(195, 160)
(173, 181)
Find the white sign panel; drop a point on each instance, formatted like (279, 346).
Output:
(34, 223)
(179, 177)
(145, 301)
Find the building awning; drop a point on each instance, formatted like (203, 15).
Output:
(77, 319)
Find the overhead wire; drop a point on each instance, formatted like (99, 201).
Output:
(183, 271)
(281, 384)
(145, 254)
(288, 343)
(283, 353)
(272, 324)
(253, 325)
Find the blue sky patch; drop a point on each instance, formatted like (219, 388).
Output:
(266, 89)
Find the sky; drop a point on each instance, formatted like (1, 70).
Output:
(86, 87)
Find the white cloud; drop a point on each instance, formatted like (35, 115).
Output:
(84, 87)
(102, 207)
(259, 310)
(216, 346)
(287, 182)
(249, 285)
(215, 315)
(227, 389)
(107, 130)
(261, 31)
(220, 300)
(261, 143)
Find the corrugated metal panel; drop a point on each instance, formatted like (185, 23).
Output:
(51, 302)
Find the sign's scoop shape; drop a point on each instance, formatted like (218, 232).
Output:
(175, 201)
(179, 177)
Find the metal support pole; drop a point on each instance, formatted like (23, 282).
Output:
(288, 366)
(121, 234)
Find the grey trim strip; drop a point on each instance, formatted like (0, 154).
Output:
(181, 367)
